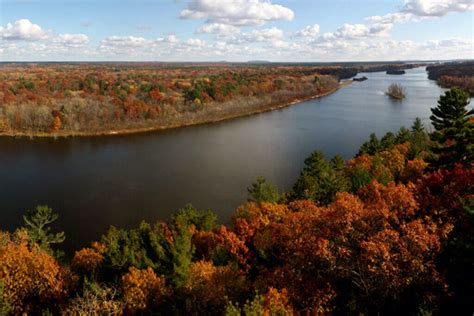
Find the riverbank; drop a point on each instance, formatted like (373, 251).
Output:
(198, 118)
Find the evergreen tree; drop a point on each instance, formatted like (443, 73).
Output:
(37, 224)
(388, 141)
(320, 179)
(418, 126)
(371, 147)
(419, 139)
(454, 130)
(403, 135)
(189, 215)
(262, 191)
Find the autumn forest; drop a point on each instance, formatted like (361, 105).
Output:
(63, 99)
(389, 232)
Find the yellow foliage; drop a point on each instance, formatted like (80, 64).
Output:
(88, 260)
(394, 160)
(142, 289)
(413, 170)
(209, 287)
(276, 303)
(29, 275)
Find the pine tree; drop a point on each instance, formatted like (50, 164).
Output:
(320, 179)
(37, 224)
(371, 147)
(454, 135)
(419, 140)
(262, 191)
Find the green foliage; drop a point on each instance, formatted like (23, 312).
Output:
(418, 141)
(165, 248)
(202, 220)
(39, 232)
(5, 307)
(454, 132)
(320, 179)
(262, 191)
(254, 307)
(371, 147)
(388, 141)
(359, 178)
(181, 252)
(403, 135)
(102, 86)
(145, 246)
(417, 137)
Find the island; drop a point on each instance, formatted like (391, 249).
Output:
(396, 91)
(364, 78)
(395, 72)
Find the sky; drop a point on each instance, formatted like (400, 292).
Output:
(236, 30)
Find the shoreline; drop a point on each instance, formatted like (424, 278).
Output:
(137, 130)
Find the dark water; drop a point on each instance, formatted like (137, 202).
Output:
(96, 182)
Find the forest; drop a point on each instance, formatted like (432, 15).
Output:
(389, 232)
(67, 99)
(455, 74)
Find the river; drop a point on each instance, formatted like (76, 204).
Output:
(95, 182)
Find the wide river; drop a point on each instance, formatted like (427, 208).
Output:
(96, 182)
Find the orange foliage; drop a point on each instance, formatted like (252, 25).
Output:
(413, 171)
(156, 95)
(142, 289)
(32, 279)
(276, 301)
(208, 287)
(88, 260)
(378, 241)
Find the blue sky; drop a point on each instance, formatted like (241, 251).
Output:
(236, 30)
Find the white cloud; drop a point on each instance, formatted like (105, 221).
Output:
(195, 42)
(390, 18)
(263, 35)
(413, 10)
(436, 8)
(124, 41)
(357, 31)
(237, 12)
(168, 39)
(23, 30)
(72, 40)
(310, 31)
(219, 28)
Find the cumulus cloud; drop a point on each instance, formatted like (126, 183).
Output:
(436, 8)
(237, 12)
(412, 10)
(124, 41)
(218, 28)
(195, 42)
(310, 31)
(263, 35)
(168, 39)
(357, 31)
(422, 9)
(72, 40)
(23, 30)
